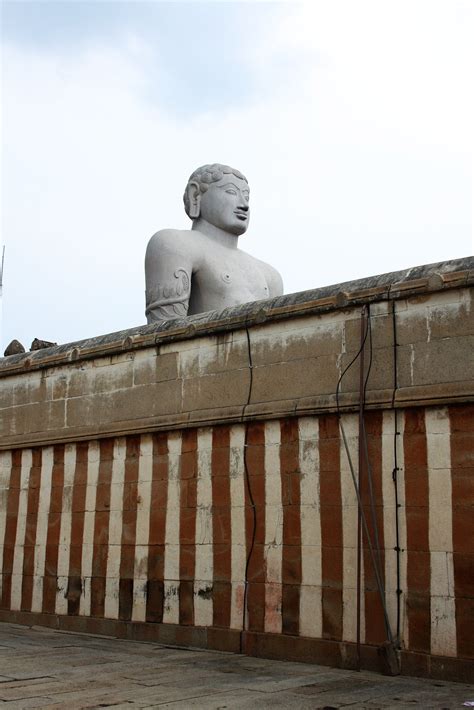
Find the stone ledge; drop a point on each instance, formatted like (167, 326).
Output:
(443, 394)
(427, 278)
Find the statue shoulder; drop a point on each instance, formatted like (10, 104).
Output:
(170, 240)
(273, 278)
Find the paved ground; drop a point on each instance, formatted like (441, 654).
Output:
(50, 669)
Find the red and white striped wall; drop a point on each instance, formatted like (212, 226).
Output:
(161, 527)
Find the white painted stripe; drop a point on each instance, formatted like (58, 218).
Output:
(237, 518)
(47, 459)
(171, 576)
(349, 534)
(142, 531)
(111, 601)
(18, 555)
(311, 575)
(273, 528)
(5, 474)
(65, 529)
(443, 608)
(93, 459)
(203, 605)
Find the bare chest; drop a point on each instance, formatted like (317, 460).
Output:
(227, 279)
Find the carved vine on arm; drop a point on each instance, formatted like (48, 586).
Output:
(170, 300)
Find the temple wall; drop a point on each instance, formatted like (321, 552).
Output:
(188, 483)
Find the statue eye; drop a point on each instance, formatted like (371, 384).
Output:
(231, 192)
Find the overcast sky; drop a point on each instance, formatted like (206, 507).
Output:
(352, 121)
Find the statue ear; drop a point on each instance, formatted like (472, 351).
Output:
(194, 197)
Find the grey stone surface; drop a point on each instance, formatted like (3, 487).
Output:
(14, 348)
(247, 362)
(202, 269)
(216, 321)
(38, 344)
(50, 669)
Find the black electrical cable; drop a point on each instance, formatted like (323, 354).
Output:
(252, 502)
(395, 467)
(359, 501)
(356, 356)
(366, 450)
(368, 333)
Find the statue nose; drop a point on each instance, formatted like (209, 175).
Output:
(243, 206)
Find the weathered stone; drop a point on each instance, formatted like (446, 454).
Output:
(14, 348)
(210, 391)
(41, 344)
(205, 367)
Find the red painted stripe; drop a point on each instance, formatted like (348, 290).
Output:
(101, 527)
(187, 526)
(54, 529)
(291, 502)
(157, 535)
(462, 481)
(129, 527)
(417, 517)
(255, 470)
(375, 632)
(78, 507)
(221, 511)
(34, 484)
(331, 526)
(10, 528)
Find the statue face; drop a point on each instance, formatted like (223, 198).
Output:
(225, 204)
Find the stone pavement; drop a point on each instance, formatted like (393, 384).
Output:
(43, 668)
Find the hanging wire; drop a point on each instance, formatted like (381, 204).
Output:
(377, 570)
(396, 469)
(251, 498)
(366, 447)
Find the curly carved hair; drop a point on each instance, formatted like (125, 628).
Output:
(207, 174)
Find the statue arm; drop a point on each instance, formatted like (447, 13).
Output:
(274, 281)
(168, 272)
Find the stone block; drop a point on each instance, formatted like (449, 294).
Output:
(381, 332)
(214, 391)
(31, 418)
(439, 361)
(380, 377)
(58, 383)
(29, 389)
(152, 400)
(296, 340)
(295, 378)
(439, 315)
(456, 321)
(7, 390)
(210, 356)
(97, 377)
(149, 367)
(143, 402)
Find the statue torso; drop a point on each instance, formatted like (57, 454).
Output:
(224, 277)
(187, 272)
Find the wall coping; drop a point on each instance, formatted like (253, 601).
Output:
(395, 285)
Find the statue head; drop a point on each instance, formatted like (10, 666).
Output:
(219, 195)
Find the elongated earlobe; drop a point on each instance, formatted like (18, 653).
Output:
(194, 196)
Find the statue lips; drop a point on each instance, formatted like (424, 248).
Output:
(241, 214)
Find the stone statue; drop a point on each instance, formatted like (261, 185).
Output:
(202, 269)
